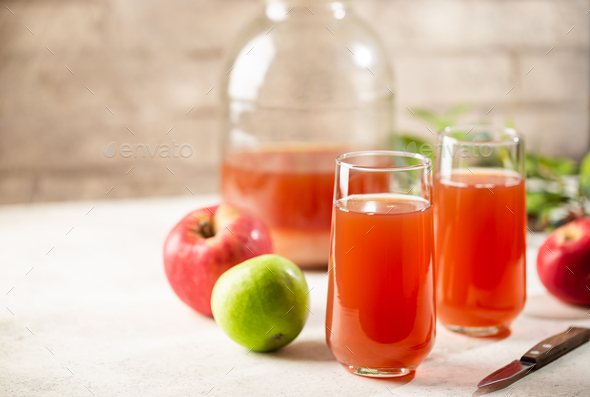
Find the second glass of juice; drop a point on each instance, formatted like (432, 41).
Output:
(480, 220)
(380, 319)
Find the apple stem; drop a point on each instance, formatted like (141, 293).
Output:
(206, 229)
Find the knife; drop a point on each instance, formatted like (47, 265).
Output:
(538, 356)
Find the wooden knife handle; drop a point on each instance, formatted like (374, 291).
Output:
(556, 346)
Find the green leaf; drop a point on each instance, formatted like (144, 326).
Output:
(535, 203)
(561, 166)
(410, 143)
(459, 135)
(549, 167)
(509, 123)
(456, 111)
(539, 203)
(585, 177)
(441, 121)
(429, 117)
(585, 166)
(531, 165)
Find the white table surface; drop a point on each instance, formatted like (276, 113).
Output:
(88, 311)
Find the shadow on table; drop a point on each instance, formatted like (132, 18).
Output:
(495, 338)
(449, 342)
(491, 338)
(306, 350)
(394, 383)
(317, 350)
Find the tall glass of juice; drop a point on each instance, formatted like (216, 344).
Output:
(380, 319)
(480, 221)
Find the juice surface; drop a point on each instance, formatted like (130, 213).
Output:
(291, 189)
(480, 247)
(380, 311)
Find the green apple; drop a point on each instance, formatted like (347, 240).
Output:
(262, 303)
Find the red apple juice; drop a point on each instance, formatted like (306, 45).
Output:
(381, 311)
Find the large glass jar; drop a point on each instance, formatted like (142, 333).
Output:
(305, 82)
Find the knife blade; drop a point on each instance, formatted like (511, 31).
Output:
(538, 356)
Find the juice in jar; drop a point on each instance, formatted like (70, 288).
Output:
(291, 189)
(480, 217)
(381, 310)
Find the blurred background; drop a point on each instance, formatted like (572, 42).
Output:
(76, 75)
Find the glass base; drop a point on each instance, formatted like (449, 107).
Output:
(379, 372)
(479, 331)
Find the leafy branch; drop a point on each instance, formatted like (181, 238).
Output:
(558, 189)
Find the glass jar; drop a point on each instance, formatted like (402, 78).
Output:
(305, 82)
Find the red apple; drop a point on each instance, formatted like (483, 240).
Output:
(563, 262)
(206, 243)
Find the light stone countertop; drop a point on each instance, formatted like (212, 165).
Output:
(88, 311)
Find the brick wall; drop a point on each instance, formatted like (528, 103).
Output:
(152, 61)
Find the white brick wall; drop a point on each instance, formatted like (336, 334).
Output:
(151, 61)
(446, 52)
